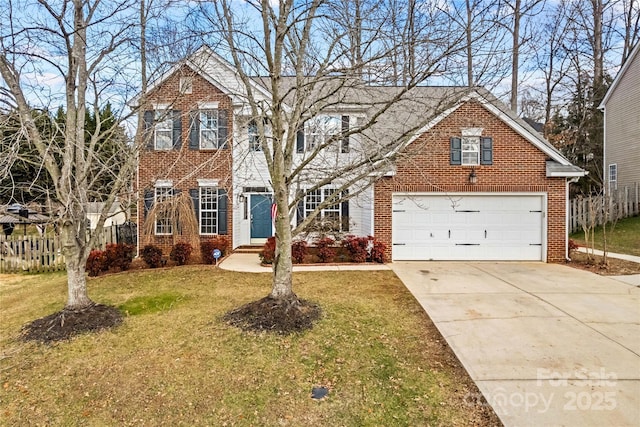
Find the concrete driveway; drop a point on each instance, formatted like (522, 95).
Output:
(547, 345)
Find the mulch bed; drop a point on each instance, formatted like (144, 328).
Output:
(284, 316)
(614, 267)
(67, 323)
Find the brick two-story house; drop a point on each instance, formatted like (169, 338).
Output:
(474, 183)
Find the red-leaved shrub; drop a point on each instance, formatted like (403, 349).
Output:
(206, 248)
(326, 251)
(181, 252)
(96, 262)
(268, 253)
(572, 245)
(119, 255)
(358, 247)
(152, 255)
(299, 250)
(378, 252)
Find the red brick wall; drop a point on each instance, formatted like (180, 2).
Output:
(186, 166)
(517, 166)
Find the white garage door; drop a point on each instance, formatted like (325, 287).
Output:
(468, 227)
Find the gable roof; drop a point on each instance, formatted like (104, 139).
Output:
(405, 117)
(459, 96)
(214, 69)
(634, 55)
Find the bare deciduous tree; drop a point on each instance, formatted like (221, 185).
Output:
(81, 55)
(309, 72)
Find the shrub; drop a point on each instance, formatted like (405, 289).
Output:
(206, 248)
(326, 252)
(181, 252)
(572, 245)
(378, 252)
(268, 253)
(299, 250)
(96, 262)
(152, 255)
(358, 247)
(119, 255)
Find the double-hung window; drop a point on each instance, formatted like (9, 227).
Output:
(208, 210)
(254, 137)
(208, 129)
(470, 150)
(333, 217)
(164, 225)
(163, 130)
(320, 129)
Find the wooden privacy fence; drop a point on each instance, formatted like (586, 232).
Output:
(617, 204)
(36, 254)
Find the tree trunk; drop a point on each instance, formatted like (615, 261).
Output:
(516, 56)
(282, 264)
(76, 279)
(470, 80)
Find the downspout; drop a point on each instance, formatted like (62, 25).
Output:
(568, 217)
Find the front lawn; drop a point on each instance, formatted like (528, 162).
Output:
(624, 238)
(174, 362)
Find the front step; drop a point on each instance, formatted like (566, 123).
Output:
(248, 249)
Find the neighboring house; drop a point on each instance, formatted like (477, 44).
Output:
(621, 107)
(476, 183)
(116, 216)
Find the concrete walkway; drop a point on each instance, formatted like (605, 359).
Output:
(547, 345)
(250, 263)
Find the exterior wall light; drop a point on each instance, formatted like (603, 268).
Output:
(473, 178)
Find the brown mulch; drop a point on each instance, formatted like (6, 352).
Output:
(67, 323)
(614, 266)
(284, 316)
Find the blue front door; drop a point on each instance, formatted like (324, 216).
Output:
(260, 216)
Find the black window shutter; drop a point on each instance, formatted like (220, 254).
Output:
(177, 129)
(486, 151)
(222, 211)
(149, 196)
(345, 129)
(148, 129)
(456, 151)
(300, 208)
(222, 129)
(300, 141)
(344, 211)
(194, 130)
(195, 197)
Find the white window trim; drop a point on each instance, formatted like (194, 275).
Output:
(210, 105)
(471, 132)
(168, 189)
(215, 130)
(163, 183)
(253, 137)
(321, 135)
(613, 183)
(476, 152)
(208, 182)
(214, 189)
(186, 85)
(168, 119)
(336, 208)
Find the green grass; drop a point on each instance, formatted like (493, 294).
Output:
(623, 238)
(174, 362)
